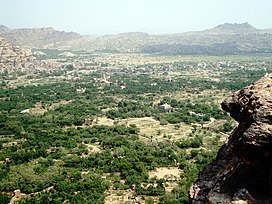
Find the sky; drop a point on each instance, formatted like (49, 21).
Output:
(117, 16)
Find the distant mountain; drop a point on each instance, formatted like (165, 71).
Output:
(222, 39)
(267, 30)
(37, 37)
(123, 42)
(3, 27)
(228, 28)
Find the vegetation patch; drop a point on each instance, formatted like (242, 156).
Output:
(116, 128)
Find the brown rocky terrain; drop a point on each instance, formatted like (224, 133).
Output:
(13, 58)
(241, 172)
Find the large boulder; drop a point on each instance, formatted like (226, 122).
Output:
(241, 172)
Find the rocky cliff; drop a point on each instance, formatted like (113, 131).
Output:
(13, 57)
(241, 172)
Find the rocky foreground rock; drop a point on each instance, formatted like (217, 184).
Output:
(241, 172)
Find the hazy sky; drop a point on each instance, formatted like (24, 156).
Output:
(116, 16)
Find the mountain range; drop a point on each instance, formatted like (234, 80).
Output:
(223, 39)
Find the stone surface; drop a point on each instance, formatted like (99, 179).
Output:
(241, 172)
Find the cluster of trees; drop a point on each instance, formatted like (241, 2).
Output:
(121, 151)
(182, 111)
(190, 112)
(73, 188)
(132, 109)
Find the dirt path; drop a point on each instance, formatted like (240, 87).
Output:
(209, 123)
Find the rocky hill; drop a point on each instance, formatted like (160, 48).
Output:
(38, 37)
(13, 57)
(242, 170)
(223, 39)
(3, 27)
(229, 28)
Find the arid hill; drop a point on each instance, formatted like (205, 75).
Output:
(223, 39)
(38, 37)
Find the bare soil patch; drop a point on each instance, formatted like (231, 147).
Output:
(150, 128)
(168, 173)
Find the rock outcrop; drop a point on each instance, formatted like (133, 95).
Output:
(13, 58)
(241, 172)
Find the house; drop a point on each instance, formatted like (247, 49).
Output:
(81, 90)
(25, 111)
(165, 107)
(196, 114)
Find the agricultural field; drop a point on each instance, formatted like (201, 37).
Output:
(115, 128)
